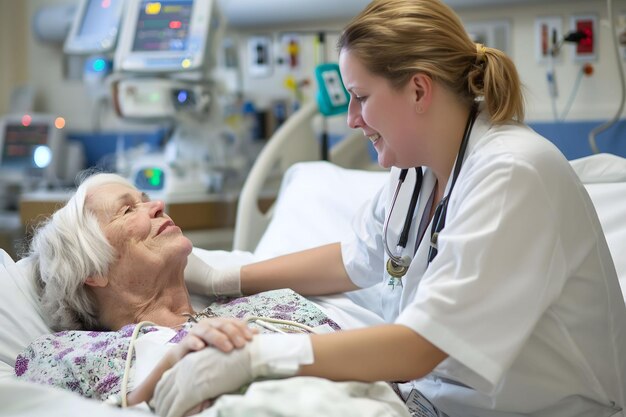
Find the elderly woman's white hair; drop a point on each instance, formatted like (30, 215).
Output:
(65, 250)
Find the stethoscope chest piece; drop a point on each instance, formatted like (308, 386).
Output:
(433, 240)
(395, 270)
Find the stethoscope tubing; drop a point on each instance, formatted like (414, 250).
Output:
(404, 235)
(439, 220)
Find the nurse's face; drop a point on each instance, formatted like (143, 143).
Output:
(385, 115)
(146, 240)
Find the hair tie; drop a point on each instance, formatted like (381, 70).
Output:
(481, 50)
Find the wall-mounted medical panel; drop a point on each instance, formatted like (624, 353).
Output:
(256, 13)
(585, 49)
(491, 33)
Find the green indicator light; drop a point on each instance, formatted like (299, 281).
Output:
(155, 176)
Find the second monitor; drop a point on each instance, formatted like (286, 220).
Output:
(166, 36)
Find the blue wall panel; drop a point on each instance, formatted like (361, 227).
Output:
(572, 137)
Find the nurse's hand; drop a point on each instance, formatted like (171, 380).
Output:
(208, 373)
(199, 376)
(224, 334)
(201, 278)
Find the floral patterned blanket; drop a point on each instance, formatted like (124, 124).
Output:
(92, 363)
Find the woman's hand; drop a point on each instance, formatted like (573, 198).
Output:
(222, 333)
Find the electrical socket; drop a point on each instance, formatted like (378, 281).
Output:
(548, 32)
(586, 49)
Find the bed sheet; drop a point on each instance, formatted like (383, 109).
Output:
(22, 399)
(303, 396)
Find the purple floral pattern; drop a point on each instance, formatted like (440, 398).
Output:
(282, 304)
(92, 363)
(88, 363)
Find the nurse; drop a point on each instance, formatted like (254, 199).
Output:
(501, 296)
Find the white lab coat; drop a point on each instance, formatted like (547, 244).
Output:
(522, 296)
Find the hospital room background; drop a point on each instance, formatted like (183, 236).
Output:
(95, 107)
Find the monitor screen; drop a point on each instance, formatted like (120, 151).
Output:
(30, 143)
(166, 36)
(163, 26)
(95, 27)
(20, 142)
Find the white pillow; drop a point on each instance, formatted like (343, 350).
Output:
(600, 168)
(609, 200)
(604, 176)
(20, 313)
(315, 206)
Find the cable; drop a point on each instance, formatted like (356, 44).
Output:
(570, 37)
(572, 95)
(263, 321)
(129, 357)
(552, 91)
(599, 129)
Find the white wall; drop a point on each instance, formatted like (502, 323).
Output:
(13, 59)
(597, 99)
(598, 96)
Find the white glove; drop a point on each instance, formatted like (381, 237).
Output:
(209, 373)
(203, 279)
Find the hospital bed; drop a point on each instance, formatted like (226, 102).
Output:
(314, 205)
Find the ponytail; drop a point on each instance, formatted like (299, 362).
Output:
(495, 78)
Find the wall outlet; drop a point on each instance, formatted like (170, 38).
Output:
(548, 35)
(260, 57)
(586, 49)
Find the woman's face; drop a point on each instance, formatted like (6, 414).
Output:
(386, 115)
(145, 239)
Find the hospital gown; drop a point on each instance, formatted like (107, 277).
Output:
(92, 363)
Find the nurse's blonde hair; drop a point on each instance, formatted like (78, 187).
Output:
(396, 39)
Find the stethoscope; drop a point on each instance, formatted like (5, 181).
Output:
(397, 265)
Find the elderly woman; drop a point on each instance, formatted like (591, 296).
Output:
(109, 258)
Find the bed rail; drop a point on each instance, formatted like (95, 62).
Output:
(295, 141)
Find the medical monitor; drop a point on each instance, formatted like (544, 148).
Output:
(29, 144)
(95, 27)
(165, 36)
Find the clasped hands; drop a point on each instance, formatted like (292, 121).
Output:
(187, 365)
(202, 375)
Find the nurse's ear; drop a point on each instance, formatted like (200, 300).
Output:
(97, 281)
(421, 86)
